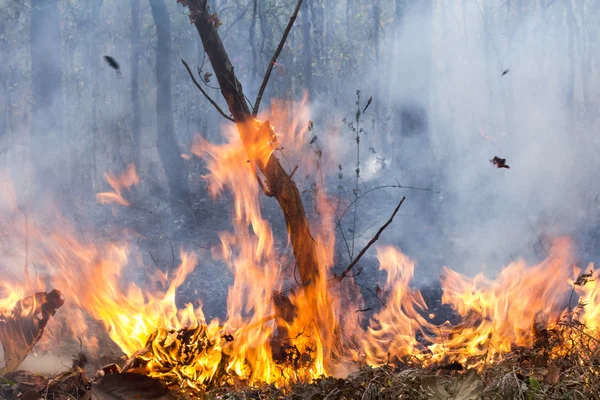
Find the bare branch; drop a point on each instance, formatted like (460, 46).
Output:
(375, 238)
(263, 86)
(215, 105)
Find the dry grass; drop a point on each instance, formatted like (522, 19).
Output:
(563, 363)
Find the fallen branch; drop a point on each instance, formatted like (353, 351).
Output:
(373, 240)
(215, 105)
(263, 86)
(23, 327)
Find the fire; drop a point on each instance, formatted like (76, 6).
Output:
(125, 181)
(276, 332)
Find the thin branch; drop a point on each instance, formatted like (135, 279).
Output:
(263, 86)
(372, 292)
(215, 105)
(366, 192)
(375, 238)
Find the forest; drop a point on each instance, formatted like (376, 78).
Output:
(300, 199)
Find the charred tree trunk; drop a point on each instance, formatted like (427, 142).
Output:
(136, 118)
(279, 183)
(46, 78)
(168, 149)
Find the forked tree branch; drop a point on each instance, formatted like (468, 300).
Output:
(215, 105)
(278, 182)
(375, 238)
(263, 86)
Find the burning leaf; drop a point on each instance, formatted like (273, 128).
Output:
(499, 162)
(23, 327)
(583, 279)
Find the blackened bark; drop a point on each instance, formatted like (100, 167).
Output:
(46, 78)
(168, 149)
(136, 118)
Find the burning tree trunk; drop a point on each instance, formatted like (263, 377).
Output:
(253, 134)
(21, 330)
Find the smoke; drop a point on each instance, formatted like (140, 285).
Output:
(484, 217)
(441, 110)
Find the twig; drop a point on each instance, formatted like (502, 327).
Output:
(266, 191)
(373, 240)
(263, 86)
(366, 192)
(372, 292)
(215, 105)
(129, 363)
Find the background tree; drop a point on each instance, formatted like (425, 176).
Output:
(167, 146)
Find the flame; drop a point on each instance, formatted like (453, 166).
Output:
(124, 181)
(276, 332)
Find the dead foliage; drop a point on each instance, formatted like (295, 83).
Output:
(23, 327)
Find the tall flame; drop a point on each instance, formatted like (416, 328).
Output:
(276, 332)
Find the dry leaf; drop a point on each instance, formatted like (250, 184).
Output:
(469, 388)
(552, 375)
(21, 330)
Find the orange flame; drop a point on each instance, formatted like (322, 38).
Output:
(276, 332)
(125, 181)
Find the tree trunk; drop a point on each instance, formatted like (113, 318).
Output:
(252, 39)
(571, 64)
(136, 118)
(279, 183)
(376, 34)
(46, 78)
(168, 149)
(317, 12)
(307, 62)
(95, 58)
